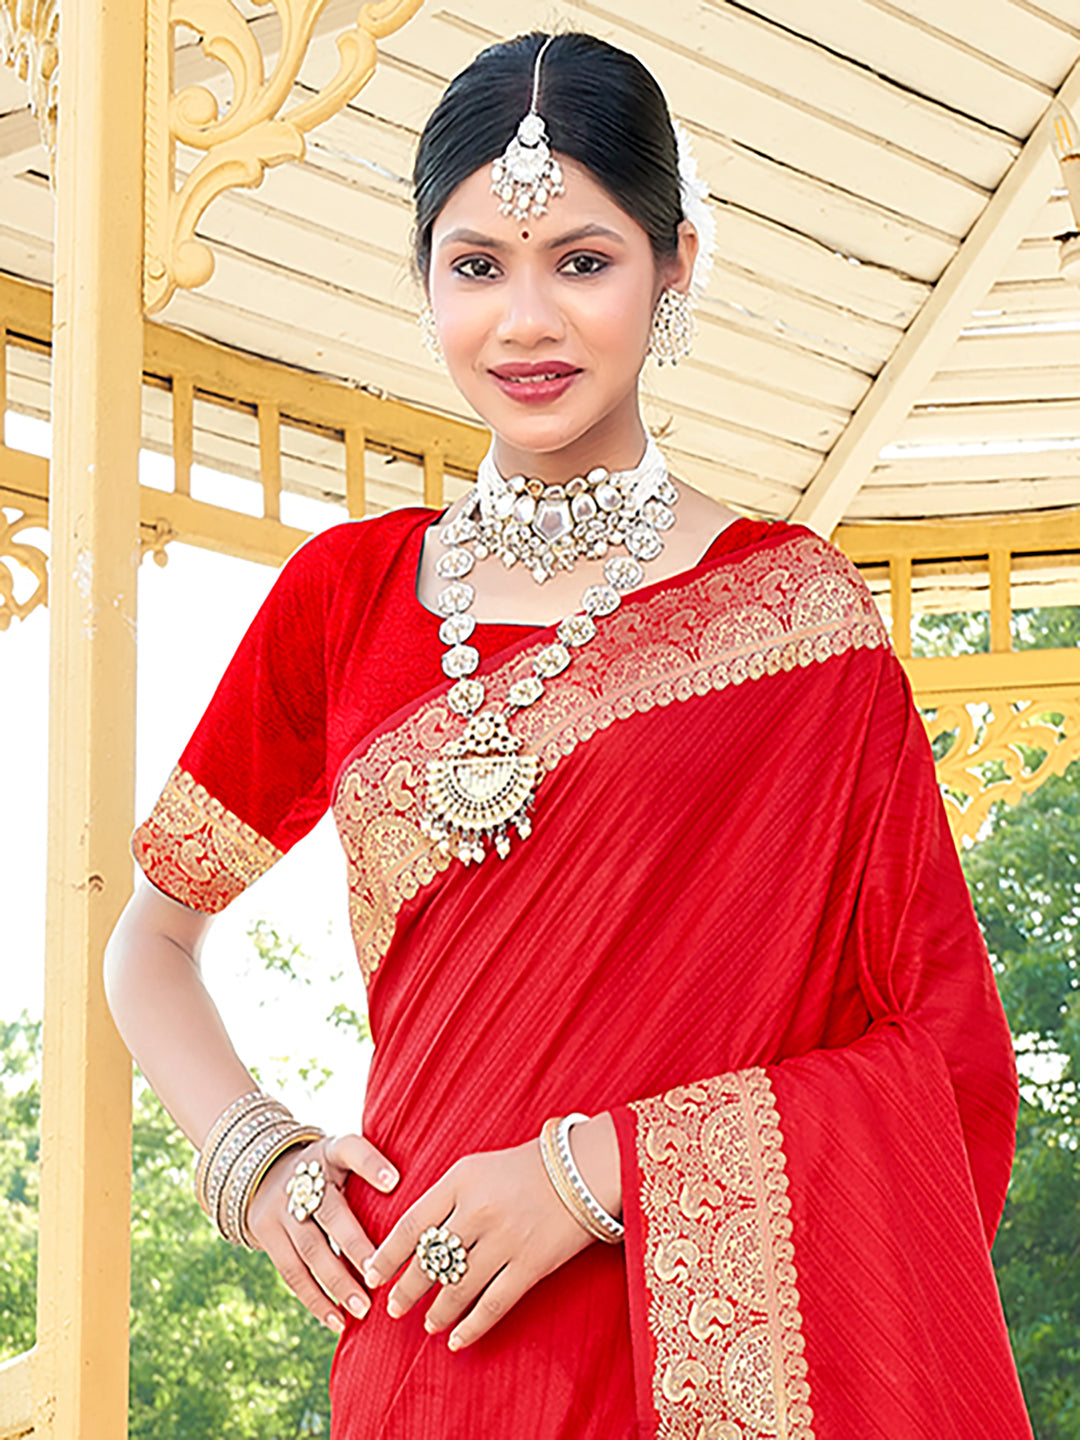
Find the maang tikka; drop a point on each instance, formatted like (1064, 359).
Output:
(526, 175)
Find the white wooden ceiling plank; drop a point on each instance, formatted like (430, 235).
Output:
(926, 343)
(339, 203)
(27, 257)
(1045, 299)
(985, 499)
(841, 221)
(981, 386)
(760, 50)
(783, 254)
(1063, 11)
(778, 308)
(1033, 351)
(1023, 41)
(1052, 218)
(20, 143)
(960, 424)
(31, 208)
(745, 490)
(977, 467)
(883, 38)
(1032, 260)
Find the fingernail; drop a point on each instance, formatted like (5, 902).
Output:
(430, 1326)
(359, 1305)
(394, 1308)
(455, 1342)
(387, 1178)
(335, 1323)
(372, 1275)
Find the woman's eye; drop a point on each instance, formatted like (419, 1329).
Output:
(585, 265)
(475, 267)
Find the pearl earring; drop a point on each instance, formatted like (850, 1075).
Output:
(672, 334)
(429, 333)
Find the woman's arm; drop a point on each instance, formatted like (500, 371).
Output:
(173, 1029)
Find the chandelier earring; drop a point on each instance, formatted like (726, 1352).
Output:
(429, 333)
(672, 336)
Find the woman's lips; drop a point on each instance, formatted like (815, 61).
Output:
(536, 387)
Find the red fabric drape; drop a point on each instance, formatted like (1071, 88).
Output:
(739, 925)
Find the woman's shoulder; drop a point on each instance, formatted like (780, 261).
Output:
(356, 550)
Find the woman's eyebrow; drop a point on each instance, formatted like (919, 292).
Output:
(488, 242)
(585, 232)
(470, 237)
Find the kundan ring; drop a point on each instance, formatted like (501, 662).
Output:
(306, 1188)
(442, 1255)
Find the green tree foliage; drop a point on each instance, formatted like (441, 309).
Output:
(1025, 881)
(20, 1107)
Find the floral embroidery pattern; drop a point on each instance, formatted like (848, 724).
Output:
(196, 850)
(797, 604)
(720, 1265)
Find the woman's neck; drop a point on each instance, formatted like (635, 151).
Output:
(617, 442)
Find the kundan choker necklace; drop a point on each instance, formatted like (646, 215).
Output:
(481, 786)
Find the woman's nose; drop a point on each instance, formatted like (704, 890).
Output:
(530, 315)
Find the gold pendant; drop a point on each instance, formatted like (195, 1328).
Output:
(478, 788)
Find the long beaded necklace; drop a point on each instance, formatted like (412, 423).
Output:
(481, 786)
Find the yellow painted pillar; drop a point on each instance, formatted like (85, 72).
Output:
(81, 1365)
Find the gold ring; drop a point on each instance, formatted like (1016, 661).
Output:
(306, 1188)
(442, 1255)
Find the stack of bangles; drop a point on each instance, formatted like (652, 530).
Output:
(243, 1143)
(568, 1184)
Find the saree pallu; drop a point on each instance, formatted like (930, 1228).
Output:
(739, 925)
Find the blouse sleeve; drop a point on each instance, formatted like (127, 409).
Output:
(252, 779)
(808, 1241)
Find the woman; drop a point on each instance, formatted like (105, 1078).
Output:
(658, 840)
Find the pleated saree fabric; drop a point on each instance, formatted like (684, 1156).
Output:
(739, 925)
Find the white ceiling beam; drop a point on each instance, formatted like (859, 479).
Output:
(976, 266)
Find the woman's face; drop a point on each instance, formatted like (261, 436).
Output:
(568, 295)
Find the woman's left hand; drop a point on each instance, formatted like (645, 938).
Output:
(513, 1225)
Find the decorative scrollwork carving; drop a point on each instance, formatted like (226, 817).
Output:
(255, 131)
(29, 557)
(1003, 754)
(30, 42)
(153, 540)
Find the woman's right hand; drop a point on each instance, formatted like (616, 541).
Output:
(301, 1249)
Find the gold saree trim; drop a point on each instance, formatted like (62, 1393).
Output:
(198, 851)
(720, 1272)
(796, 604)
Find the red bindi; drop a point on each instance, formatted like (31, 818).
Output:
(524, 234)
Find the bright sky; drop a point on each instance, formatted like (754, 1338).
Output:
(192, 614)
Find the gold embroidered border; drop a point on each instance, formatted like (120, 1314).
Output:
(720, 1265)
(797, 604)
(196, 850)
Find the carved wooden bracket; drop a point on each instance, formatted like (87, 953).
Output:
(258, 129)
(30, 43)
(997, 758)
(29, 557)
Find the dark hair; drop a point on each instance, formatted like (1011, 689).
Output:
(600, 105)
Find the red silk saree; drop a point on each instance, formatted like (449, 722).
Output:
(740, 925)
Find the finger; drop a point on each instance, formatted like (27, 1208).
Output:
(505, 1290)
(356, 1153)
(311, 1244)
(432, 1208)
(486, 1258)
(344, 1232)
(298, 1278)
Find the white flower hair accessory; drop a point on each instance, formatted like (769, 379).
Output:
(694, 190)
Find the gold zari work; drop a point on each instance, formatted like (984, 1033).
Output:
(196, 850)
(720, 1265)
(795, 604)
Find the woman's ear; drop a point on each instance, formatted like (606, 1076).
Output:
(680, 268)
